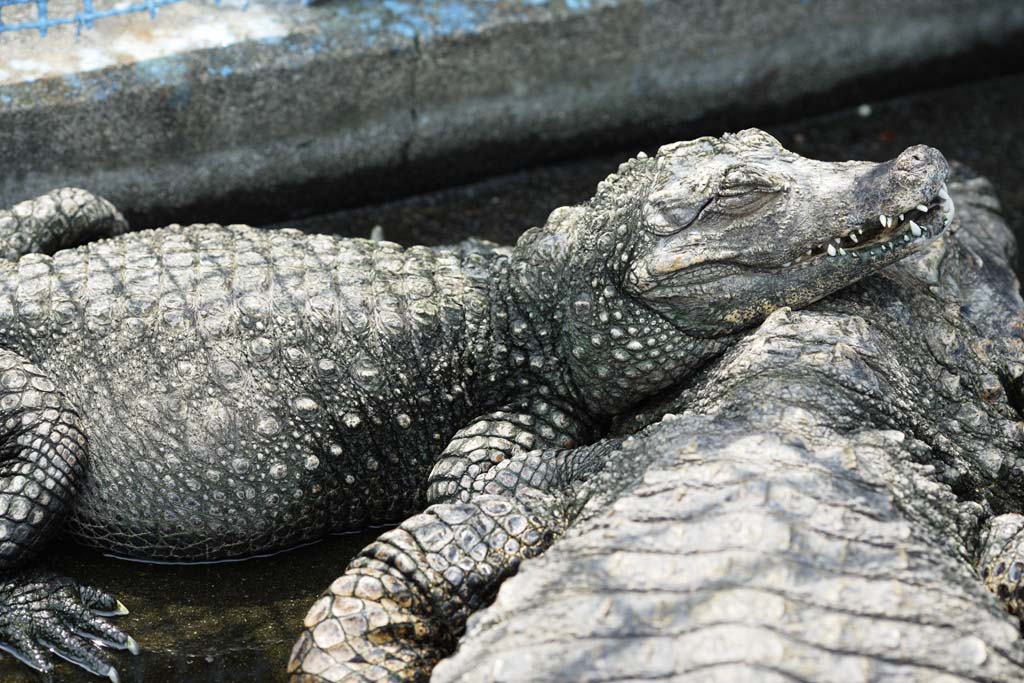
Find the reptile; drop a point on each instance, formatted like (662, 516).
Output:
(402, 602)
(207, 392)
(826, 501)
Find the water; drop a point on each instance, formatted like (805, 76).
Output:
(213, 623)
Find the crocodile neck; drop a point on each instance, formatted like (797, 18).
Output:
(514, 347)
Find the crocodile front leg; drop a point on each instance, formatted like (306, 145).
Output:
(493, 438)
(42, 613)
(58, 219)
(405, 599)
(43, 457)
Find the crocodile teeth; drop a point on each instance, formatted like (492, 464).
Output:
(884, 220)
(853, 237)
(831, 250)
(922, 208)
(915, 229)
(948, 209)
(901, 218)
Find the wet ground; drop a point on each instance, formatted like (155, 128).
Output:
(215, 623)
(237, 622)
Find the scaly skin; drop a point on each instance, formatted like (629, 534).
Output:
(208, 392)
(814, 514)
(666, 283)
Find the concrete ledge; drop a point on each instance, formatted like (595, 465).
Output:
(294, 109)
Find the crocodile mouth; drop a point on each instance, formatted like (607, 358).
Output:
(884, 234)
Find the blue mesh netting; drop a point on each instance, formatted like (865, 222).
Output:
(40, 15)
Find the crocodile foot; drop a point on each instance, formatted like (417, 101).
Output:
(44, 614)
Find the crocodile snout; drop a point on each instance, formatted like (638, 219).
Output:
(920, 163)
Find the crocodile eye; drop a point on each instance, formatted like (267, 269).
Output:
(668, 220)
(673, 205)
(746, 202)
(744, 189)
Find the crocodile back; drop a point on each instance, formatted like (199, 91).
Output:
(244, 390)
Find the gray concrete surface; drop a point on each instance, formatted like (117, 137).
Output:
(977, 123)
(282, 110)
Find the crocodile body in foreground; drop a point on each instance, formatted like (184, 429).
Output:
(207, 392)
(829, 506)
(398, 607)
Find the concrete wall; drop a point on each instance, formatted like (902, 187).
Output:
(289, 109)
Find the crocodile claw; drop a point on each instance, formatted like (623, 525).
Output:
(44, 614)
(119, 610)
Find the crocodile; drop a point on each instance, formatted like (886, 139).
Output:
(402, 602)
(206, 392)
(844, 525)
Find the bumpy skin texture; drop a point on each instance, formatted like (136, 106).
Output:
(666, 283)
(403, 600)
(1002, 560)
(825, 509)
(63, 218)
(242, 391)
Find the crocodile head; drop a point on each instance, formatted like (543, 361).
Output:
(732, 228)
(676, 254)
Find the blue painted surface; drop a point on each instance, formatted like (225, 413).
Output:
(73, 82)
(162, 70)
(366, 22)
(81, 19)
(412, 19)
(373, 19)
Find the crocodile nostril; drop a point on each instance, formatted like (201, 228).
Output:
(918, 161)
